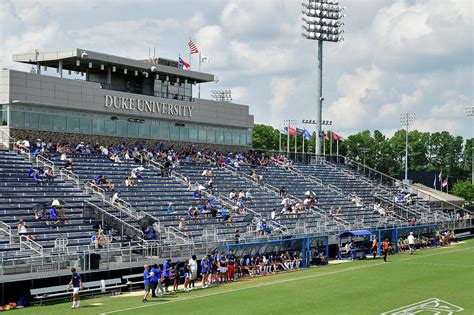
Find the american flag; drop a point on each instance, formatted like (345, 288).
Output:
(192, 47)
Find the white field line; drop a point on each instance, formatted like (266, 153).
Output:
(275, 282)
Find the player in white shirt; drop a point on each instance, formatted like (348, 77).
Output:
(193, 266)
(411, 243)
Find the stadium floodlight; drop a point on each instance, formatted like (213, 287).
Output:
(470, 112)
(407, 120)
(322, 22)
(222, 95)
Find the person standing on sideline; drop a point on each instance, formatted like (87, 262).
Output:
(411, 243)
(385, 248)
(375, 245)
(154, 280)
(193, 266)
(76, 283)
(231, 265)
(146, 282)
(166, 272)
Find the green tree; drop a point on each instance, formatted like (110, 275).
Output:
(265, 137)
(464, 189)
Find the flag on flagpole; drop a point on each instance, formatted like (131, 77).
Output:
(326, 137)
(434, 182)
(445, 182)
(306, 134)
(205, 59)
(283, 131)
(292, 131)
(183, 64)
(299, 131)
(440, 176)
(192, 47)
(335, 136)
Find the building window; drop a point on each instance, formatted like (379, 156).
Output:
(155, 130)
(193, 134)
(59, 123)
(174, 133)
(98, 126)
(202, 135)
(73, 124)
(227, 137)
(122, 128)
(144, 130)
(86, 124)
(184, 134)
(45, 122)
(219, 136)
(133, 129)
(164, 130)
(110, 127)
(211, 136)
(17, 119)
(31, 120)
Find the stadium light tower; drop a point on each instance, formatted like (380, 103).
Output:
(406, 120)
(470, 112)
(322, 22)
(222, 95)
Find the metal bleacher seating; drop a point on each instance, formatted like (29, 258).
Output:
(20, 195)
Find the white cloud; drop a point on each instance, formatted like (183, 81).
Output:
(283, 89)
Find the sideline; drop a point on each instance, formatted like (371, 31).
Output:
(277, 282)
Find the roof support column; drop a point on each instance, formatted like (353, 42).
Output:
(60, 69)
(38, 68)
(109, 76)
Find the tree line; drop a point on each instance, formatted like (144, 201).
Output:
(427, 152)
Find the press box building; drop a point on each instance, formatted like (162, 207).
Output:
(112, 96)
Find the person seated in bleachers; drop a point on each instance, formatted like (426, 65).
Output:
(248, 196)
(130, 182)
(254, 175)
(22, 230)
(182, 226)
(69, 165)
(106, 184)
(339, 213)
(150, 231)
(197, 196)
(170, 208)
(62, 215)
(241, 195)
(53, 216)
(39, 214)
(233, 195)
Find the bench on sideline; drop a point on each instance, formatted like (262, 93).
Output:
(60, 291)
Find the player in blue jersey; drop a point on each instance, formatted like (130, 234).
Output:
(76, 283)
(205, 265)
(147, 275)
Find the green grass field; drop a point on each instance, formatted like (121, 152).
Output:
(361, 287)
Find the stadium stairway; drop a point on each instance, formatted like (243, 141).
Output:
(20, 195)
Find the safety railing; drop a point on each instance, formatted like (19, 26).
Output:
(174, 233)
(7, 141)
(44, 162)
(111, 220)
(26, 243)
(391, 181)
(6, 229)
(93, 188)
(22, 150)
(67, 174)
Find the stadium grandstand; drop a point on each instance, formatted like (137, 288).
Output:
(121, 167)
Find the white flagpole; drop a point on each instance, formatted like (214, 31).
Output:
(337, 148)
(279, 147)
(199, 87)
(324, 144)
(296, 137)
(330, 145)
(288, 139)
(303, 144)
(189, 55)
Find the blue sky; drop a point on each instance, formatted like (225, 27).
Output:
(398, 56)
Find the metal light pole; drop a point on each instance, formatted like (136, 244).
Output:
(470, 112)
(322, 23)
(318, 129)
(406, 120)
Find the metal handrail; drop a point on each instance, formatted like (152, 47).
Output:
(7, 230)
(21, 149)
(45, 162)
(178, 234)
(394, 180)
(10, 140)
(28, 243)
(95, 189)
(122, 222)
(65, 173)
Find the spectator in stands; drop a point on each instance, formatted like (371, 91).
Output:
(116, 197)
(273, 214)
(282, 192)
(101, 239)
(39, 214)
(130, 182)
(53, 216)
(339, 213)
(62, 214)
(151, 232)
(146, 282)
(22, 230)
(170, 208)
(182, 226)
(69, 165)
(237, 236)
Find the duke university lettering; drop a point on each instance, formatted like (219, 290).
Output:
(132, 104)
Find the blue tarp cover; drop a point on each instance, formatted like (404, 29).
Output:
(355, 233)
